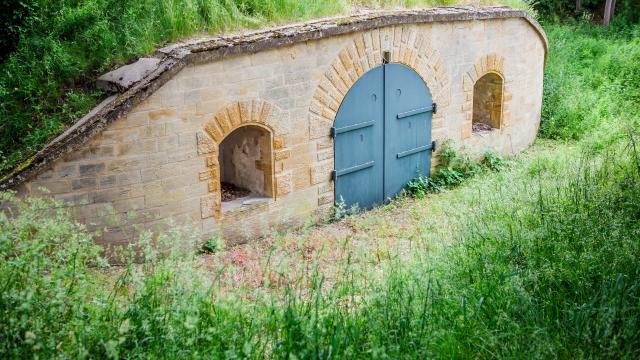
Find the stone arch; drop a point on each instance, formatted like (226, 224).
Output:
(490, 63)
(408, 46)
(254, 112)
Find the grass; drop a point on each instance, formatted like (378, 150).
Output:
(538, 259)
(46, 82)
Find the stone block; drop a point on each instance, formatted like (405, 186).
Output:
(107, 181)
(162, 114)
(301, 178)
(66, 171)
(319, 127)
(88, 183)
(321, 172)
(284, 184)
(206, 145)
(51, 187)
(282, 154)
(91, 169)
(208, 204)
(126, 76)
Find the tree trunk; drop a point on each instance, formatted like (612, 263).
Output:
(608, 12)
(578, 6)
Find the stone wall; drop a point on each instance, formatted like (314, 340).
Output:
(160, 161)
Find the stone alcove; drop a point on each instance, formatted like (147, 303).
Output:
(487, 102)
(246, 167)
(245, 140)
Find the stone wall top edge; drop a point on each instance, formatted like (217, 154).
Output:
(175, 57)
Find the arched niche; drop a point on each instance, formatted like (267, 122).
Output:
(246, 166)
(487, 102)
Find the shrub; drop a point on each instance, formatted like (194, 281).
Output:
(454, 168)
(593, 77)
(46, 276)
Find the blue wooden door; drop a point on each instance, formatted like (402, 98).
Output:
(382, 135)
(407, 131)
(358, 135)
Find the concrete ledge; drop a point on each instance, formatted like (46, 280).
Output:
(138, 81)
(124, 77)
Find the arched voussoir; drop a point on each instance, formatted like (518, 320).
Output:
(489, 63)
(404, 44)
(252, 112)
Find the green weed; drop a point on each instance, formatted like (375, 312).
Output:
(454, 168)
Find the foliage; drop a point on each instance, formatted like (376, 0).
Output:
(45, 275)
(626, 11)
(14, 18)
(452, 170)
(593, 76)
(339, 210)
(213, 245)
(539, 260)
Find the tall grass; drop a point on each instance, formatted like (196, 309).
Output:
(593, 77)
(541, 259)
(548, 268)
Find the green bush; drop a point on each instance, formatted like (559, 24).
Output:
(592, 77)
(46, 276)
(454, 168)
(626, 11)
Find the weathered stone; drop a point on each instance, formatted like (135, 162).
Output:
(83, 184)
(160, 152)
(91, 169)
(206, 145)
(124, 77)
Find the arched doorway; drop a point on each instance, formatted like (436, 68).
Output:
(382, 135)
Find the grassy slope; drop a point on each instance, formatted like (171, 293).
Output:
(540, 259)
(47, 82)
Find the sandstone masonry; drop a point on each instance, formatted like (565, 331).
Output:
(140, 162)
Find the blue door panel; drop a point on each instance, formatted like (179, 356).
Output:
(382, 135)
(408, 107)
(358, 132)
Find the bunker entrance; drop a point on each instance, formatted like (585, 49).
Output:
(245, 167)
(382, 136)
(487, 103)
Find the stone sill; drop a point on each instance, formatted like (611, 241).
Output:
(485, 132)
(245, 204)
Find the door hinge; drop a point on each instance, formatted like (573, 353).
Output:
(334, 175)
(433, 146)
(434, 108)
(333, 132)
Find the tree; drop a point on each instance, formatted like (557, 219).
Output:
(609, 8)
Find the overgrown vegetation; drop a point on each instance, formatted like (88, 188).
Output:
(54, 50)
(453, 169)
(541, 259)
(592, 78)
(626, 11)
